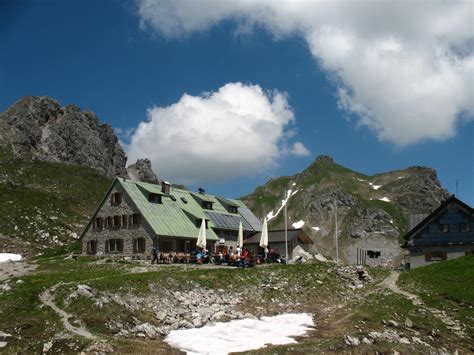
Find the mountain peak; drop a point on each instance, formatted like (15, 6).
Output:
(324, 158)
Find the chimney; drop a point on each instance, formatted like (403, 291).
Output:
(202, 191)
(165, 187)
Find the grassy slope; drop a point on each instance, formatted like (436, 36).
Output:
(446, 285)
(324, 176)
(40, 196)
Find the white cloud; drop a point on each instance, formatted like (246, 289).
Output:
(299, 149)
(404, 69)
(239, 130)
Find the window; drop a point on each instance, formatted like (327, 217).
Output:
(116, 222)
(139, 245)
(465, 227)
(92, 247)
(115, 245)
(373, 254)
(116, 198)
(443, 228)
(108, 222)
(154, 198)
(135, 220)
(98, 224)
(124, 221)
(436, 256)
(232, 209)
(207, 205)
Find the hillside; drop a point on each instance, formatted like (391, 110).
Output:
(372, 210)
(45, 204)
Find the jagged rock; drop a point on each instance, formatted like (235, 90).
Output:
(408, 323)
(47, 346)
(392, 323)
(148, 330)
(85, 290)
(367, 221)
(324, 158)
(352, 341)
(142, 171)
(300, 255)
(40, 127)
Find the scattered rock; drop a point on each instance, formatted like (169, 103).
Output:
(408, 323)
(85, 290)
(351, 340)
(47, 346)
(3, 344)
(4, 336)
(392, 323)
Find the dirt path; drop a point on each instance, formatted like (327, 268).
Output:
(47, 299)
(391, 283)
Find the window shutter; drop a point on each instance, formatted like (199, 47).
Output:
(134, 246)
(106, 246)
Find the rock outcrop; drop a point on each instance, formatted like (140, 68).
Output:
(142, 171)
(39, 127)
(372, 211)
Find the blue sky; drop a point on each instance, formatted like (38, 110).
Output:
(121, 59)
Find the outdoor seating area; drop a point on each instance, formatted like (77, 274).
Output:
(227, 257)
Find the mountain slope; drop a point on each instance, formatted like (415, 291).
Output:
(372, 210)
(37, 126)
(45, 204)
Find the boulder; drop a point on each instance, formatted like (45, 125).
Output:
(299, 254)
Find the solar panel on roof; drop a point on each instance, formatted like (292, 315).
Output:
(226, 221)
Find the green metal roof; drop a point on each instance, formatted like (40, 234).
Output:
(178, 218)
(167, 218)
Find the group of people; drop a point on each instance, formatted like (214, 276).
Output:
(240, 257)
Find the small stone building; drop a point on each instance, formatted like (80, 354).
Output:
(134, 216)
(276, 241)
(446, 233)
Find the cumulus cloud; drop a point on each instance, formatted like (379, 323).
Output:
(299, 149)
(403, 69)
(239, 130)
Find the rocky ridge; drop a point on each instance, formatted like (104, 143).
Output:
(142, 171)
(39, 127)
(372, 211)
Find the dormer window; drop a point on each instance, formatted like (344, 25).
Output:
(116, 198)
(154, 198)
(207, 205)
(233, 209)
(199, 221)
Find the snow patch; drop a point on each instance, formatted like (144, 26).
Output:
(376, 187)
(384, 199)
(316, 228)
(298, 224)
(362, 180)
(8, 256)
(289, 193)
(241, 335)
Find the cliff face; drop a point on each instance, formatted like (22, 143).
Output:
(372, 211)
(40, 128)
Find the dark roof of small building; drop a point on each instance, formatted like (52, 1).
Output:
(277, 236)
(433, 214)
